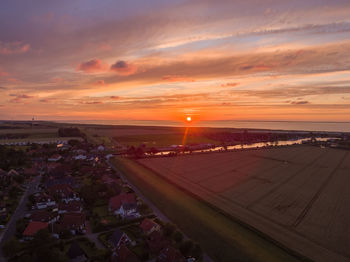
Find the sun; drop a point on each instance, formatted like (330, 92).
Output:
(188, 119)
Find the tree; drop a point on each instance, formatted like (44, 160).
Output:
(21, 225)
(197, 251)
(168, 229)
(186, 247)
(178, 237)
(11, 247)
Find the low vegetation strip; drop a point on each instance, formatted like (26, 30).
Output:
(221, 237)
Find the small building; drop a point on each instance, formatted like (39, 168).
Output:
(118, 238)
(75, 222)
(33, 228)
(148, 226)
(100, 148)
(170, 254)
(73, 206)
(64, 192)
(124, 205)
(123, 254)
(44, 216)
(54, 158)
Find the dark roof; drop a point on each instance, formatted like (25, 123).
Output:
(116, 236)
(75, 250)
(68, 180)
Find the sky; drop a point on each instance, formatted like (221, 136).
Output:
(168, 59)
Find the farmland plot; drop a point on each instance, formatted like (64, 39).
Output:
(296, 195)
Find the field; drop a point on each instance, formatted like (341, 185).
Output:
(296, 195)
(149, 136)
(221, 237)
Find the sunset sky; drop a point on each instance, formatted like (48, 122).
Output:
(166, 59)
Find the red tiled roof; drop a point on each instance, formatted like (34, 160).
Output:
(42, 216)
(147, 225)
(116, 201)
(72, 206)
(170, 254)
(34, 227)
(123, 254)
(156, 241)
(73, 220)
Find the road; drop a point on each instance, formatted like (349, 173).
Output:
(156, 211)
(20, 212)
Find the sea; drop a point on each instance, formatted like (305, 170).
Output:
(249, 124)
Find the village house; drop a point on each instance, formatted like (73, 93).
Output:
(33, 228)
(44, 216)
(124, 205)
(73, 206)
(118, 238)
(170, 254)
(156, 241)
(148, 226)
(43, 200)
(75, 222)
(54, 158)
(123, 254)
(63, 192)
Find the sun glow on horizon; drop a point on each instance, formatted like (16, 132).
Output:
(188, 119)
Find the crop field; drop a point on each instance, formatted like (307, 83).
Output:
(297, 195)
(149, 136)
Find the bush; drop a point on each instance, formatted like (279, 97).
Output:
(11, 247)
(168, 229)
(177, 236)
(186, 247)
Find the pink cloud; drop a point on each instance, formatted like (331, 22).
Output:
(3, 73)
(19, 98)
(57, 79)
(123, 68)
(13, 48)
(104, 47)
(92, 66)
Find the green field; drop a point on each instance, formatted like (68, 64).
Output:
(221, 237)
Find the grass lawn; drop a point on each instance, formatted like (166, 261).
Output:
(221, 237)
(162, 140)
(101, 211)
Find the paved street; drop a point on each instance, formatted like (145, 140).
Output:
(21, 210)
(156, 211)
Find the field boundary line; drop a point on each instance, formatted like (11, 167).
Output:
(284, 182)
(319, 191)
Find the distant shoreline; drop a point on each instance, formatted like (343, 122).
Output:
(259, 125)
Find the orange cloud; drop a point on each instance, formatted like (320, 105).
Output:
(92, 66)
(230, 85)
(100, 83)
